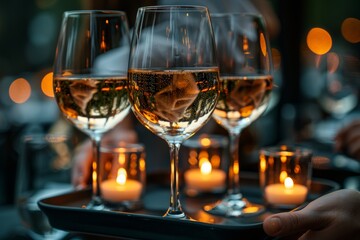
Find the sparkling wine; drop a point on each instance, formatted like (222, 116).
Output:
(242, 100)
(173, 103)
(93, 104)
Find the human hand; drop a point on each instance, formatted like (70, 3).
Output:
(347, 140)
(333, 216)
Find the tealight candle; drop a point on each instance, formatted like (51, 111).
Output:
(285, 175)
(205, 178)
(286, 193)
(121, 189)
(122, 178)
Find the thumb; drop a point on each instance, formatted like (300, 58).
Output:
(288, 223)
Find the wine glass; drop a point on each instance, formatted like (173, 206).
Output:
(173, 78)
(90, 77)
(245, 87)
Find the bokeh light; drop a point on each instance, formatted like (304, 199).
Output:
(350, 29)
(333, 62)
(20, 90)
(47, 85)
(319, 41)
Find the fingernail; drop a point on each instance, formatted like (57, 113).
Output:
(275, 225)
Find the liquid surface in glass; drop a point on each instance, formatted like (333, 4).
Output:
(242, 100)
(173, 104)
(94, 105)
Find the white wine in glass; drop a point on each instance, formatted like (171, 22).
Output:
(246, 84)
(90, 77)
(173, 78)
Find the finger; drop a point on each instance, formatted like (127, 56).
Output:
(289, 223)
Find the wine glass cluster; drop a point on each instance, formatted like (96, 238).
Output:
(179, 75)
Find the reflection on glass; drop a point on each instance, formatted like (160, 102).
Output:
(246, 84)
(173, 78)
(90, 77)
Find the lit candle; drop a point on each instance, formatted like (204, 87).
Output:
(286, 193)
(205, 178)
(121, 188)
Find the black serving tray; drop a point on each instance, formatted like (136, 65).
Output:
(67, 212)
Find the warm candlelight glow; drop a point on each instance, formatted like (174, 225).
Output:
(286, 178)
(205, 168)
(205, 142)
(288, 183)
(236, 167)
(121, 159)
(121, 188)
(142, 164)
(246, 45)
(205, 178)
(215, 161)
(283, 176)
(262, 164)
(121, 176)
(263, 44)
(286, 193)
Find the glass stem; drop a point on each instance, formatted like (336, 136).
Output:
(96, 196)
(175, 206)
(234, 167)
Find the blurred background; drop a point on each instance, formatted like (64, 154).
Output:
(316, 51)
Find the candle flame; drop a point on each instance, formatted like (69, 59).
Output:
(289, 183)
(205, 168)
(121, 176)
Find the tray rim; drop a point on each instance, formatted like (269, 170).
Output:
(214, 231)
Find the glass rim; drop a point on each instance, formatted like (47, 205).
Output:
(291, 150)
(237, 14)
(122, 147)
(217, 141)
(45, 137)
(168, 8)
(96, 12)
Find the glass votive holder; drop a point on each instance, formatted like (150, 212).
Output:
(285, 175)
(204, 159)
(123, 176)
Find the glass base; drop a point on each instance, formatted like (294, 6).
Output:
(96, 203)
(176, 214)
(234, 205)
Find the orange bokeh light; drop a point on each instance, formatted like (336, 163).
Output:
(319, 41)
(20, 90)
(350, 29)
(47, 85)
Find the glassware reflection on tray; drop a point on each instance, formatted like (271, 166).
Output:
(65, 212)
